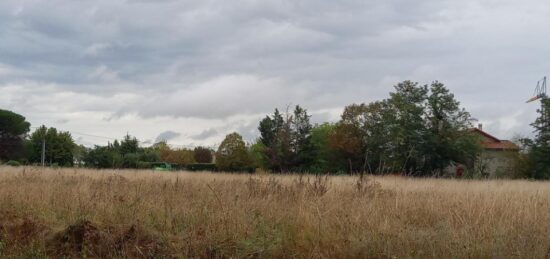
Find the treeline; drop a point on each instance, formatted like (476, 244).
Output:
(418, 130)
(127, 153)
(57, 148)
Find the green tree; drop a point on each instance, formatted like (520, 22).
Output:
(128, 145)
(59, 150)
(103, 157)
(286, 141)
(131, 160)
(124, 154)
(302, 150)
(271, 128)
(449, 138)
(361, 136)
(325, 158)
(257, 153)
(79, 153)
(407, 126)
(418, 130)
(540, 147)
(149, 154)
(13, 128)
(232, 154)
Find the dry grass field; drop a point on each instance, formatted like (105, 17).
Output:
(125, 214)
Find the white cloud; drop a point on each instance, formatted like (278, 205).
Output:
(220, 97)
(96, 49)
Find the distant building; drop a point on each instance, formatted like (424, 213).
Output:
(497, 154)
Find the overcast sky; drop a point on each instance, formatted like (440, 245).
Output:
(192, 71)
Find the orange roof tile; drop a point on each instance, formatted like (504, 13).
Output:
(493, 143)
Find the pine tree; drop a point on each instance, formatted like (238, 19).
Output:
(540, 152)
(286, 141)
(12, 129)
(301, 148)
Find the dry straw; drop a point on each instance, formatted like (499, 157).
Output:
(123, 213)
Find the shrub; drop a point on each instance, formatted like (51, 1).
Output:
(144, 165)
(201, 167)
(13, 163)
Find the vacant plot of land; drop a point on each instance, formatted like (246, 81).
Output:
(76, 213)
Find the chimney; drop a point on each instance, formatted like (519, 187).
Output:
(480, 126)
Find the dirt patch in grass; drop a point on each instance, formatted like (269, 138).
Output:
(135, 242)
(21, 232)
(80, 239)
(85, 239)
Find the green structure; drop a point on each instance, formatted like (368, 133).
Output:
(161, 166)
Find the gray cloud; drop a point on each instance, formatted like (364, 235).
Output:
(205, 134)
(138, 62)
(167, 136)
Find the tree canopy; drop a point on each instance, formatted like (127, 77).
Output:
(59, 146)
(13, 128)
(540, 147)
(202, 155)
(232, 154)
(286, 141)
(418, 130)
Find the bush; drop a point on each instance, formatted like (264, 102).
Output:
(201, 167)
(144, 165)
(13, 163)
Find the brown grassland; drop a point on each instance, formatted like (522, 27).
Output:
(57, 213)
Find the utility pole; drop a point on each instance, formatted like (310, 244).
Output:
(43, 150)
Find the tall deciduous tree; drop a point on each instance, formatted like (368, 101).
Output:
(407, 126)
(13, 128)
(325, 158)
(361, 136)
(182, 156)
(257, 154)
(59, 146)
(419, 130)
(103, 157)
(449, 138)
(232, 154)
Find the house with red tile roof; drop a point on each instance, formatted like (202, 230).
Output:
(497, 155)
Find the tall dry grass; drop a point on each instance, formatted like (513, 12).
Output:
(77, 213)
